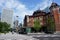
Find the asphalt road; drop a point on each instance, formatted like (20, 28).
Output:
(15, 36)
(10, 36)
(46, 36)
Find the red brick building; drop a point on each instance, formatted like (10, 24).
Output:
(43, 16)
(29, 20)
(55, 10)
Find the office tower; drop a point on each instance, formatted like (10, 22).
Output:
(7, 16)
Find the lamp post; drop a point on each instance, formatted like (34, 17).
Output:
(16, 23)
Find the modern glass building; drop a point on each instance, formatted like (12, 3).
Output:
(7, 16)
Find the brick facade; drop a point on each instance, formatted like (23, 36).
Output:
(43, 16)
(29, 20)
(55, 11)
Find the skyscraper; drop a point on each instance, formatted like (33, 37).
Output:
(16, 22)
(7, 16)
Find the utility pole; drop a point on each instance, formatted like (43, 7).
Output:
(16, 23)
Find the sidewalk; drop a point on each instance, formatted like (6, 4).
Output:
(35, 33)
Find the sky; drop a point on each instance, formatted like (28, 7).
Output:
(25, 7)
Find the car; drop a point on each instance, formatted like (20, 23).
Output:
(49, 32)
(22, 32)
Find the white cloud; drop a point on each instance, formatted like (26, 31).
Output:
(20, 9)
(44, 4)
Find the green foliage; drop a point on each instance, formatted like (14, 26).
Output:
(4, 27)
(37, 25)
(51, 25)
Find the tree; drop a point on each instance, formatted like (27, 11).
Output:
(4, 27)
(37, 25)
(51, 25)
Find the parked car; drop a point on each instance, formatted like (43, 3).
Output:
(22, 32)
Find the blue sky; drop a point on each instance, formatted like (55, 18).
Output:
(25, 7)
(31, 4)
